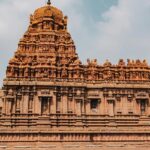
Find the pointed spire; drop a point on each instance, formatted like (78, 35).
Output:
(48, 2)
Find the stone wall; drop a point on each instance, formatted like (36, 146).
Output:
(75, 146)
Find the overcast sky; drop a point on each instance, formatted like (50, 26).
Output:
(102, 29)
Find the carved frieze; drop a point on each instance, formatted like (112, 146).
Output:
(142, 95)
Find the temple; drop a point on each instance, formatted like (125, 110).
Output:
(50, 100)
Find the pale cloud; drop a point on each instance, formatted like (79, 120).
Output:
(124, 31)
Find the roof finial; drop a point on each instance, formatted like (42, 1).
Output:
(48, 2)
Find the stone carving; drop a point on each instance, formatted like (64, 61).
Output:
(92, 62)
(50, 96)
(107, 63)
(121, 63)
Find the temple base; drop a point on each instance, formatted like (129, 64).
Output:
(45, 139)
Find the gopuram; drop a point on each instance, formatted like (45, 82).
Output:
(50, 100)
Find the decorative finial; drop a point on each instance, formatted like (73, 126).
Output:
(48, 2)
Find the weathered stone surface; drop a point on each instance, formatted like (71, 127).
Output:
(50, 100)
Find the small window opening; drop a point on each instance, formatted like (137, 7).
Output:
(94, 104)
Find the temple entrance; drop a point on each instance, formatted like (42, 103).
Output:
(45, 106)
(143, 106)
(94, 105)
(142, 99)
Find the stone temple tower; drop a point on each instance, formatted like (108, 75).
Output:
(46, 54)
(50, 100)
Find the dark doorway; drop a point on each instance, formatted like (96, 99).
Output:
(94, 104)
(44, 105)
(143, 106)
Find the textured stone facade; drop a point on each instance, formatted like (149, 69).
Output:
(51, 100)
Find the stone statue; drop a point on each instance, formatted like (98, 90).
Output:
(107, 63)
(145, 64)
(121, 63)
(77, 62)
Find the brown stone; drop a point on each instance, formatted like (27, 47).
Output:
(50, 100)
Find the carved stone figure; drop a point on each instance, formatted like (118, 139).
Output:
(121, 63)
(107, 63)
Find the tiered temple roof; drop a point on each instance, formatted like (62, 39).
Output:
(47, 52)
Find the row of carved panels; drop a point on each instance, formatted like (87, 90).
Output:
(74, 137)
(78, 94)
(45, 42)
(46, 37)
(45, 73)
(71, 53)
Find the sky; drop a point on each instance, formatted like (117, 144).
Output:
(101, 29)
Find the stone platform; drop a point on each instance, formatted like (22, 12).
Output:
(75, 146)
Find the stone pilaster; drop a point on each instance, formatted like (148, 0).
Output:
(25, 104)
(111, 107)
(65, 104)
(53, 104)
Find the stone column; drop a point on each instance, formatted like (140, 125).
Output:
(148, 109)
(78, 108)
(88, 107)
(25, 104)
(64, 104)
(125, 105)
(111, 107)
(37, 104)
(53, 104)
(105, 106)
(8, 106)
(58, 74)
(30, 103)
(49, 107)
(82, 106)
(4, 106)
(134, 106)
(13, 105)
(73, 103)
(138, 107)
(58, 104)
(33, 106)
(18, 99)
(99, 107)
(21, 104)
(102, 107)
(69, 104)
(69, 74)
